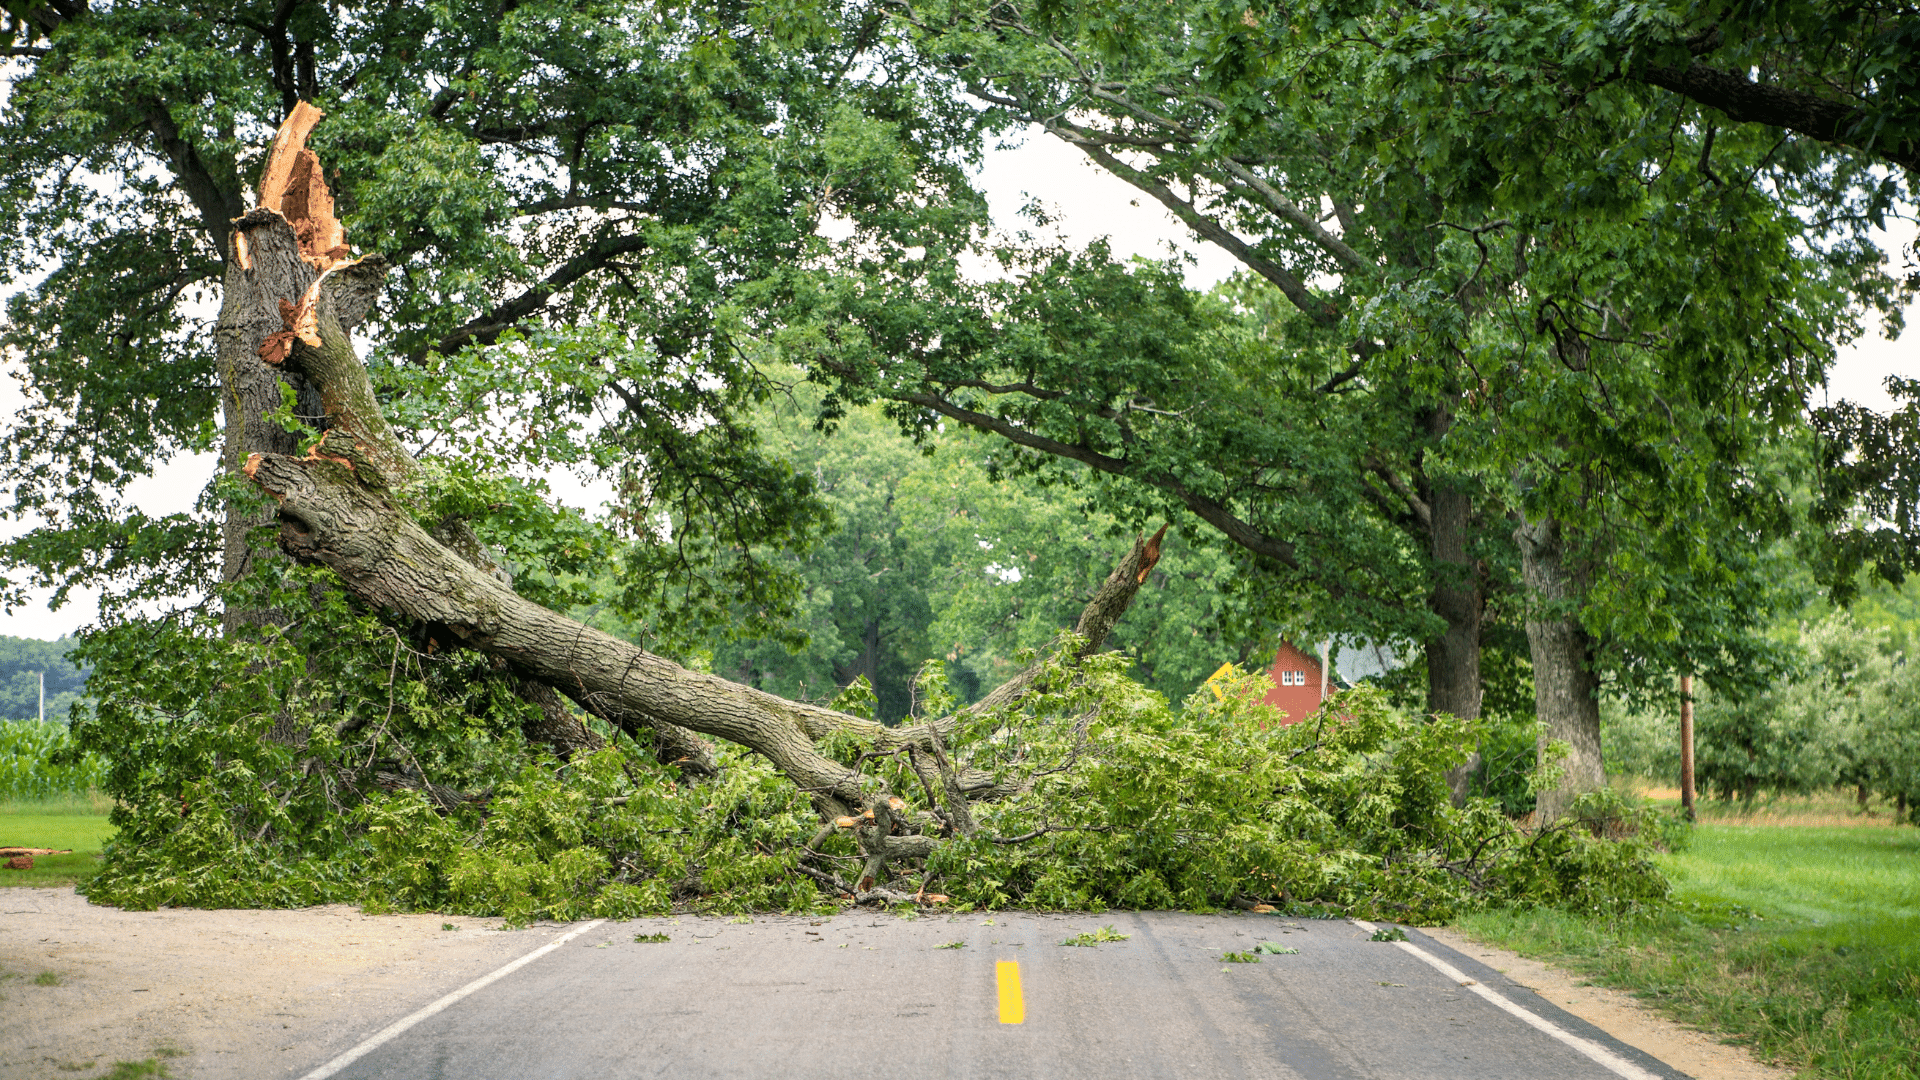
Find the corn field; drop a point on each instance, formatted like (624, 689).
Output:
(26, 773)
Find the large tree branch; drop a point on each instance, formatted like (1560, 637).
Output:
(337, 508)
(217, 203)
(333, 516)
(487, 329)
(1742, 99)
(1285, 209)
(1295, 290)
(1209, 510)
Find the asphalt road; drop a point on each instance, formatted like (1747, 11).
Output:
(864, 995)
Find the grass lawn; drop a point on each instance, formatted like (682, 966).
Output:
(1802, 943)
(77, 823)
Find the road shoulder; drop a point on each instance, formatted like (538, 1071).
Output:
(237, 995)
(1619, 1014)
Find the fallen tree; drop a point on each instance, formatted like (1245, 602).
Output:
(462, 783)
(343, 504)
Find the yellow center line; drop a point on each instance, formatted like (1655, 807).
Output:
(1013, 1004)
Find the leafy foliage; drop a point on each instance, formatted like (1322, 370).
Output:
(1869, 490)
(587, 208)
(1849, 714)
(1135, 805)
(932, 557)
(1500, 293)
(397, 777)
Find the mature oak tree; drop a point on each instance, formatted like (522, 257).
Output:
(520, 167)
(1462, 359)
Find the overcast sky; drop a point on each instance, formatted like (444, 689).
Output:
(1088, 204)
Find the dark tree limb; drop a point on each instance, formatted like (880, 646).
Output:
(1209, 510)
(1742, 99)
(487, 328)
(217, 203)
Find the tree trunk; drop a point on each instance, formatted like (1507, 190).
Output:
(866, 662)
(1566, 692)
(1453, 658)
(282, 256)
(250, 387)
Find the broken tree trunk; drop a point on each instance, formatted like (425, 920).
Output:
(290, 273)
(250, 387)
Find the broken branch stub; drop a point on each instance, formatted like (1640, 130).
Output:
(293, 297)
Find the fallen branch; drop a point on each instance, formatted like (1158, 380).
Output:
(341, 506)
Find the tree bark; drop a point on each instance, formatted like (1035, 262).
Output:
(1566, 691)
(1453, 658)
(251, 389)
(1458, 597)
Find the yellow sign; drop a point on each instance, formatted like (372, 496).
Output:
(1214, 680)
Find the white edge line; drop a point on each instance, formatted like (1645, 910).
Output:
(391, 1030)
(1613, 1062)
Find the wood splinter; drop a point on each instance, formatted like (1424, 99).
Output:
(293, 184)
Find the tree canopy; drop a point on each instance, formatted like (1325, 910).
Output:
(1451, 402)
(1487, 384)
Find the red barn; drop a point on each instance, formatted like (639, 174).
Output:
(1298, 687)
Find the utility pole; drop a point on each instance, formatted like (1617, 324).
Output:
(1326, 664)
(1686, 746)
(43, 697)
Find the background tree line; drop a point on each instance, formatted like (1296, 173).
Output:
(22, 660)
(1845, 714)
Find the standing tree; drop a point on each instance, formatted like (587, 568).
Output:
(526, 169)
(1472, 373)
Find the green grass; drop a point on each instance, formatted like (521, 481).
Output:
(1801, 943)
(78, 822)
(154, 1068)
(85, 804)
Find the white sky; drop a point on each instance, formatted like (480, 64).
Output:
(1088, 204)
